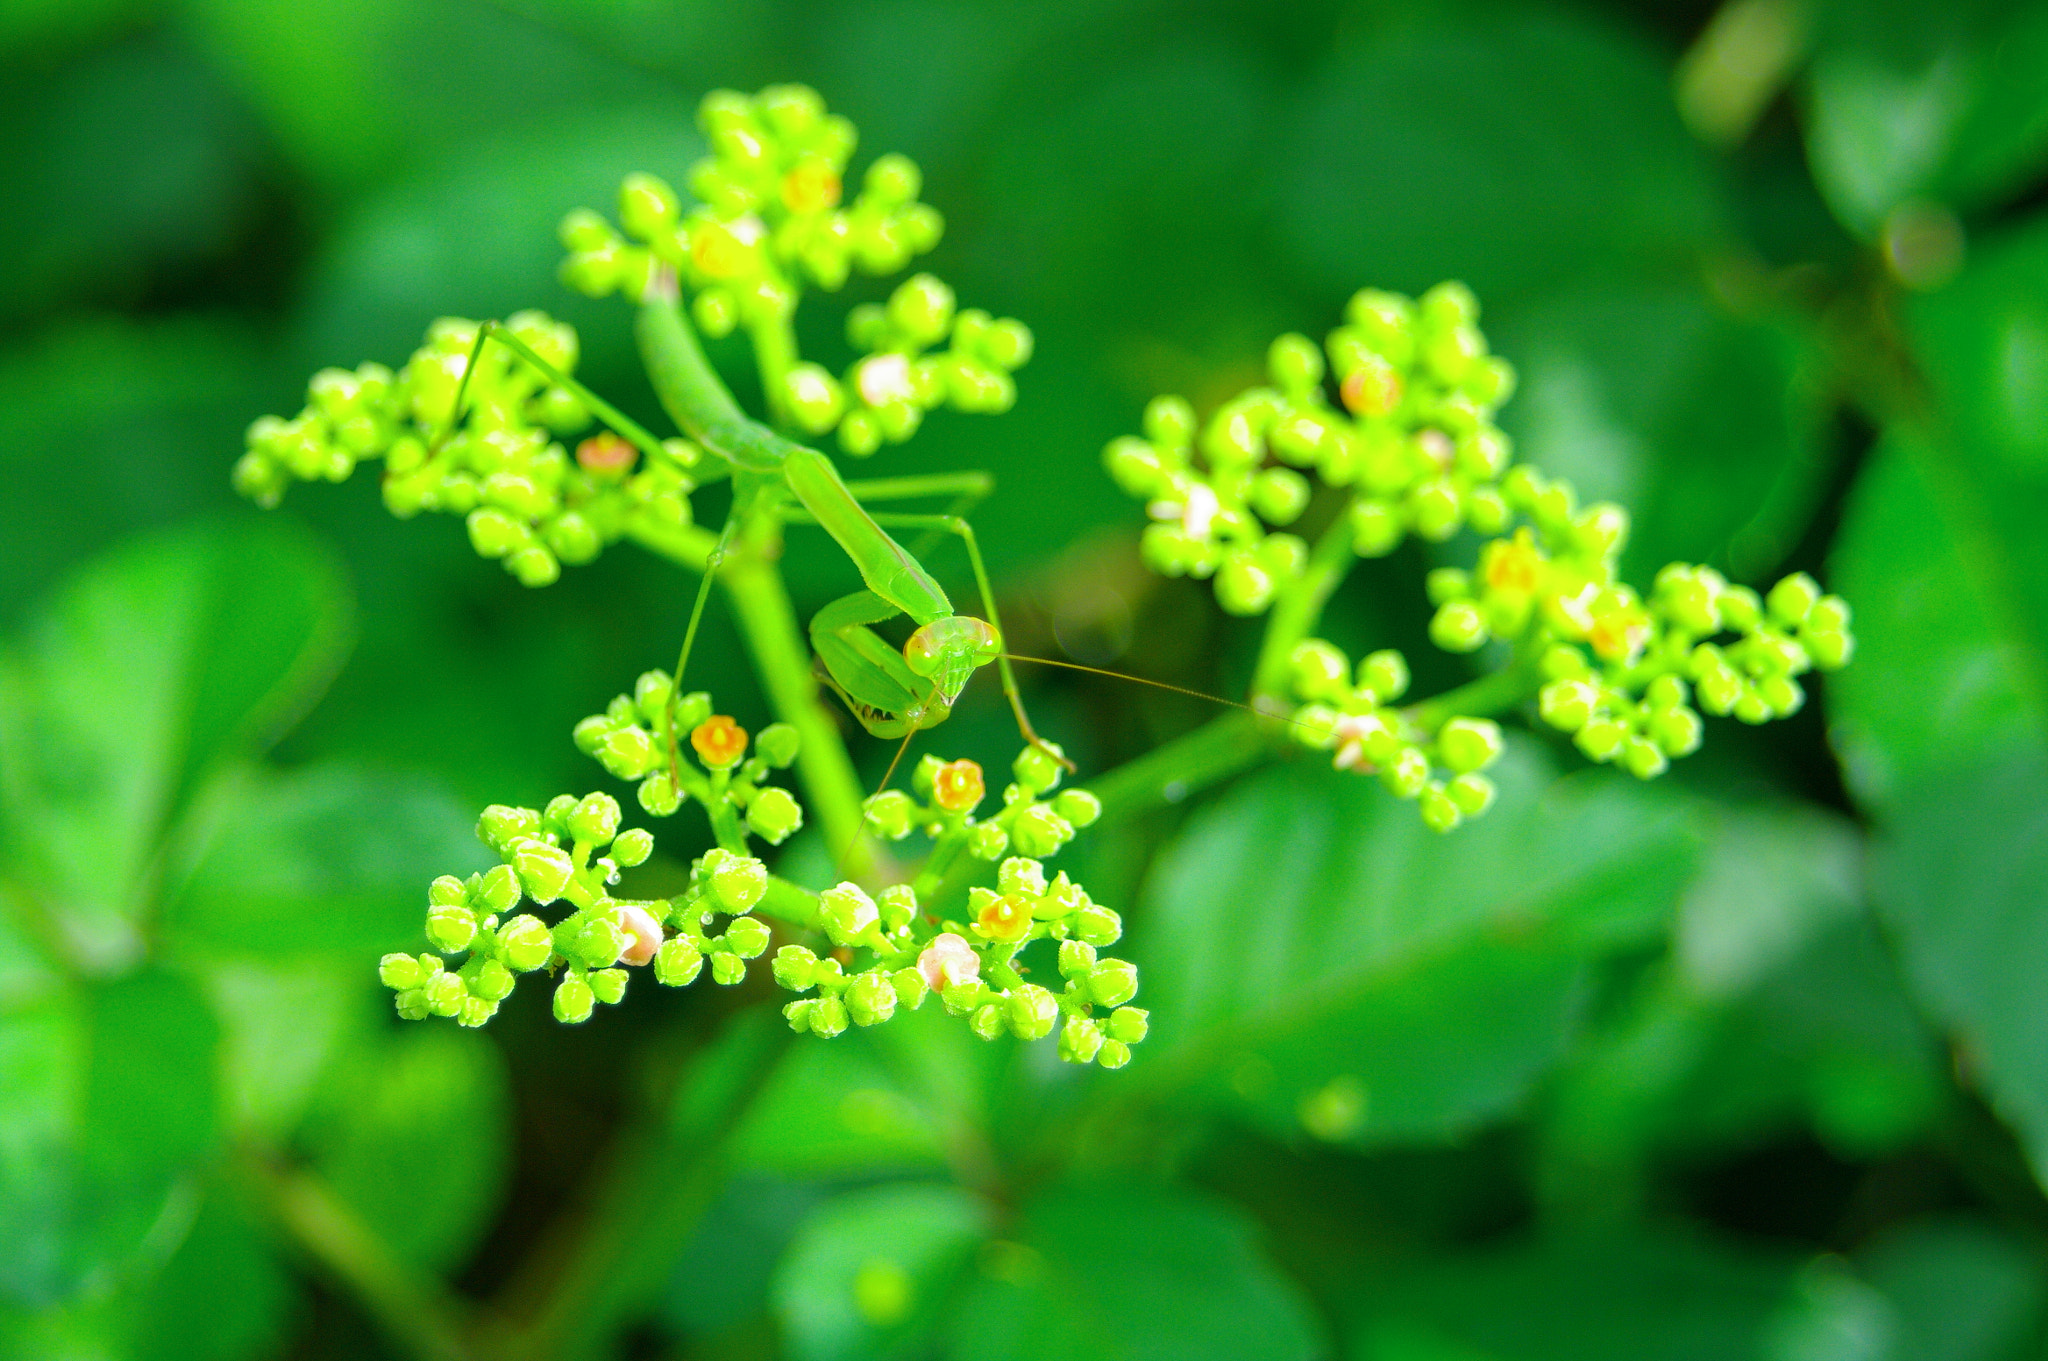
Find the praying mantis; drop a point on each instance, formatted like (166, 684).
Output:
(890, 692)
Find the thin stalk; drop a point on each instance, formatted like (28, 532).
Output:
(1300, 606)
(775, 355)
(1490, 694)
(1224, 746)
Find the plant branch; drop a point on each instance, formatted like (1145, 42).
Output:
(1300, 606)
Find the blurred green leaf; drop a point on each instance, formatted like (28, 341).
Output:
(1124, 1273)
(1638, 1298)
(1984, 343)
(110, 1103)
(1950, 667)
(322, 861)
(281, 1024)
(1960, 1289)
(1962, 879)
(222, 1296)
(1683, 414)
(156, 662)
(414, 1135)
(723, 1277)
(1913, 100)
(1517, 150)
(1367, 991)
(870, 1272)
(1773, 879)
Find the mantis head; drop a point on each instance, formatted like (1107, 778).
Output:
(947, 651)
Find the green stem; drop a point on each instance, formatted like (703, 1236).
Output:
(775, 355)
(1300, 606)
(790, 903)
(1489, 694)
(1224, 746)
(412, 1306)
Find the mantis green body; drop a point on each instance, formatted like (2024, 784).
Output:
(891, 692)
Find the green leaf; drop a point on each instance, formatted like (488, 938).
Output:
(1773, 879)
(1316, 952)
(223, 1295)
(1652, 398)
(1925, 101)
(414, 1134)
(1950, 667)
(723, 1276)
(326, 861)
(870, 1272)
(1962, 879)
(1123, 1273)
(1510, 152)
(1960, 1289)
(153, 665)
(1984, 343)
(109, 1106)
(281, 1025)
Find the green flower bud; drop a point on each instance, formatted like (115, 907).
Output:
(1077, 806)
(1601, 738)
(1458, 626)
(910, 988)
(1279, 495)
(1038, 769)
(1676, 731)
(747, 937)
(1436, 509)
(647, 207)
(496, 892)
(1295, 363)
(1782, 694)
(727, 969)
(1467, 744)
(1077, 958)
(1320, 670)
(798, 1014)
(777, 745)
(412, 1004)
(526, 943)
(870, 999)
(814, 398)
(627, 753)
(659, 795)
(1830, 614)
(1828, 651)
(594, 942)
(1244, 586)
(594, 819)
(987, 1021)
(1170, 422)
(1720, 689)
(1643, 758)
(888, 814)
(488, 979)
(543, 870)
(1406, 774)
(847, 914)
(1039, 831)
(1129, 1025)
(1439, 812)
(1792, 599)
(1020, 876)
(795, 968)
(1740, 609)
(1447, 583)
(1112, 982)
(1030, 1012)
(678, 962)
(500, 826)
(1472, 794)
(632, 846)
(475, 1011)
(737, 881)
(774, 815)
(573, 1000)
(400, 972)
(609, 985)
(451, 928)
(534, 566)
(447, 891)
(445, 994)
(828, 1017)
(1385, 674)
(1098, 925)
(987, 841)
(1080, 1040)
(1486, 510)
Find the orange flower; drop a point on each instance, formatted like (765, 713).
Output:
(810, 187)
(719, 741)
(605, 453)
(1373, 389)
(1620, 635)
(1514, 567)
(1006, 918)
(958, 786)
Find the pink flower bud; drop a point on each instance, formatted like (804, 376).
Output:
(643, 934)
(948, 961)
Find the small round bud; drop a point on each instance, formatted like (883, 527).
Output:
(774, 815)
(525, 943)
(1642, 757)
(728, 969)
(1098, 925)
(1114, 1054)
(1077, 806)
(1295, 363)
(1279, 495)
(1792, 599)
(627, 752)
(1676, 731)
(1076, 958)
(1406, 774)
(1601, 738)
(870, 999)
(573, 1000)
(888, 814)
(719, 742)
(1039, 831)
(412, 1004)
(543, 870)
(632, 846)
(1436, 509)
(1080, 1040)
(1244, 586)
(777, 745)
(647, 207)
(609, 986)
(500, 826)
(678, 962)
(847, 914)
(1473, 794)
(910, 986)
(1385, 674)
(747, 937)
(1025, 878)
(595, 819)
(1467, 744)
(659, 795)
(828, 1017)
(1112, 982)
(1439, 812)
(1458, 626)
(1376, 528)
(1037, 767)
(1320, 670)
(1740, 609)
(988, 1020)
(451, 928)
(1031, 1012)
(737, 881)
(447, 891)
(1129, 1025)
(497, 892)
(795, 968)
(400, 972)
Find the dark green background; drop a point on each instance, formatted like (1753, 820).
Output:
(1751, 1063)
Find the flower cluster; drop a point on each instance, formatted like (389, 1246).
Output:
(528, 501)
(645, 736)
(885, 393)
(1353, 715)
(893, 954)
(1630, 702)
(1411, 434)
